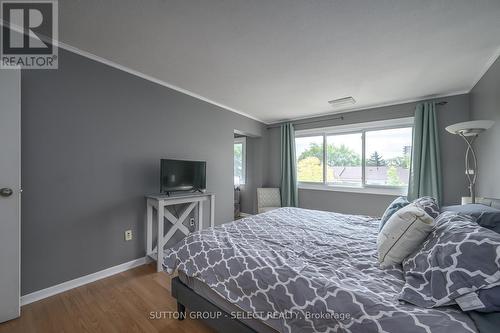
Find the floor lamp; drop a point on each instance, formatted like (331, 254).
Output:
(469, 131)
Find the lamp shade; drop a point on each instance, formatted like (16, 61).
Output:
(470, 128)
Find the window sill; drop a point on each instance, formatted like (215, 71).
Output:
(400, 191)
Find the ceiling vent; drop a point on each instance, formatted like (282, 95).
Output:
(342, 101)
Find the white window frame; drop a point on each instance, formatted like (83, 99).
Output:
(243, 141)
(350, 129)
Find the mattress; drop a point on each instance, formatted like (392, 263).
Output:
(319, 270)
(201, 288)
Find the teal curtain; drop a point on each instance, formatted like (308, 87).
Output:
(288, 167)
(425, 170)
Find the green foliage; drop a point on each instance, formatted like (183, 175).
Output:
(342, 156)
(309, 169)
(376, 160)
(336, 155)
(314, 150)
(393, 177)
(238, 159)
(400, 162)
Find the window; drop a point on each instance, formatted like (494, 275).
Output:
(343, 155)
(309, 151)
(370, 157)
(239, 160)
(388, 154)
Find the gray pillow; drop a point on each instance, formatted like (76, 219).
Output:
(396, 205)
(473, 210)
(458, 258)
(430, 205)
(486, 216)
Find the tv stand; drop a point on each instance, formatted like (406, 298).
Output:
(181, 193)
(160, 203)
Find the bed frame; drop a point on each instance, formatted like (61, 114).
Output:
(187, 297)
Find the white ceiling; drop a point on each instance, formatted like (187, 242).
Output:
(284, 59)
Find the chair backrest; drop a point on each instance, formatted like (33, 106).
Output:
(268, 197)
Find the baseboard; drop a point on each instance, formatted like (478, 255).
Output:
(59, 288)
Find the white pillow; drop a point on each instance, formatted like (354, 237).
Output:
(402, 234)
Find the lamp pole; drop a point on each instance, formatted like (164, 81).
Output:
(471, 176)
(469, 131)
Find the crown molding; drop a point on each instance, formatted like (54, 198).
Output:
(150, 78)
(89, 55)
(374, 106)
(487, 66)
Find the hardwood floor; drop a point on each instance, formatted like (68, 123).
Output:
(124, 302)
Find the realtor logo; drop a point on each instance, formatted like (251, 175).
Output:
(29, 34)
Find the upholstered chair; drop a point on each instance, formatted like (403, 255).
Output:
(268, 199)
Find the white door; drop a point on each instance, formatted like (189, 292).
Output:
(10, 186)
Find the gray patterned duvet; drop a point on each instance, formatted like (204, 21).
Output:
(315, 271)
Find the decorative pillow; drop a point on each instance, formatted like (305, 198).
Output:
(486, 216)
(458, 258)
(428, 204)
(396, 205)
(402, 234)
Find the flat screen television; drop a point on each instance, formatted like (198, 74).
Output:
(178, 175)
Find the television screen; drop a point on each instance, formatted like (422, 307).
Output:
(177, 175)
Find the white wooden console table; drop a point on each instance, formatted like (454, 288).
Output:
(161, 202)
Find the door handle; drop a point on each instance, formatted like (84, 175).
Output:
(6, 192)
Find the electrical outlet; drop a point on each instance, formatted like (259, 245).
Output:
(128, 235)
(191, 222)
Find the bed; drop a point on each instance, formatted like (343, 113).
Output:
(298, 270)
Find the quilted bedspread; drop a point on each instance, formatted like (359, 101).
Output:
(314, 271)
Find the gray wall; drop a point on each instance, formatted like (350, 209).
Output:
(92, 138)
(452, 150)
(485, 105)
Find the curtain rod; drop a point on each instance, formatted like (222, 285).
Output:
(298, 122)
